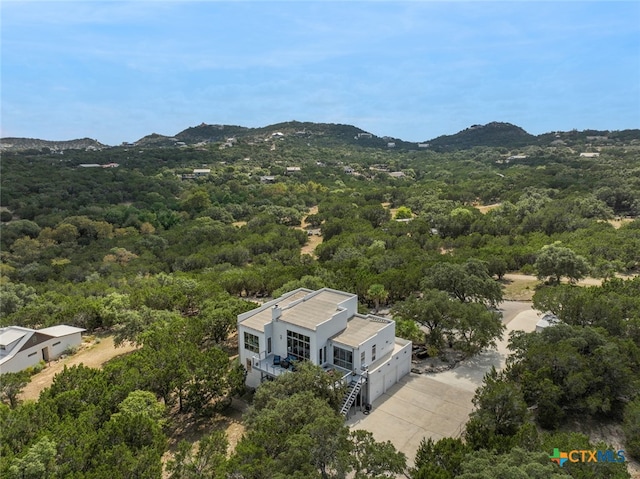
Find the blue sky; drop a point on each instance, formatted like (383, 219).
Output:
(116, 71)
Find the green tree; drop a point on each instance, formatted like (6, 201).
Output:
(375, 214)
(433, 311)
(469, 327)
(467, 282)
(37, 463)
(374, 460)
(207, 459)
(500, 411)
(440, 459)
(14, 296)
(561, 370)
(611, 306)
(18, 229)
(307, 377)
(404, 212)
(497, 266)
(143, 403)
(130, 445)
(475, 328)
(556, 261)
(309, 434)
(11, 385)
(314, 220)
(196, 201)
(294, 430)
(377, 293)
(631, 428)
(514, 464)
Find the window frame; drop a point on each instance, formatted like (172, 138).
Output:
(343, 358)
(249, 344)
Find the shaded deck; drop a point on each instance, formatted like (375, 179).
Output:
(264, 364)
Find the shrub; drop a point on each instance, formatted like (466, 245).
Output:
(69, 350)
(631, 428)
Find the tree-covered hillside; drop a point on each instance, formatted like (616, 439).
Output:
(494, 134)
(169, 243)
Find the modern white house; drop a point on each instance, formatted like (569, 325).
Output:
(325, 328)
(21, 347)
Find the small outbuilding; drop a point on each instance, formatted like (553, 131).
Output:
(546, 321)
(21, 348)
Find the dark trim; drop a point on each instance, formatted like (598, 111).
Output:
(35, 339)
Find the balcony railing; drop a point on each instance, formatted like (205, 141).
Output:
(264, 363)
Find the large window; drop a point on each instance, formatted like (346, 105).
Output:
(298, 345)
(251, 342)
(342, 358)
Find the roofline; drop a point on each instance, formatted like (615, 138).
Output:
(269, 304)
(369, 317)
(309, 294)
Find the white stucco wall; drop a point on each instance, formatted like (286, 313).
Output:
(253, 376)
(31, 356)
(387, 372)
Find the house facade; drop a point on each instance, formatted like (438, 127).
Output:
(21, 348)
(325, 328)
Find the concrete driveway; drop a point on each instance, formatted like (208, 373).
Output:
(438, 405)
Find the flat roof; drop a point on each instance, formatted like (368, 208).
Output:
(311, 309)
(258, 320)
(316, 309)
(359, 329)
(60, 330)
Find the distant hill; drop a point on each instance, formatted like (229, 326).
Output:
(210, 133)
(154, 140)
(21, 144)
(319, 134)
(494, 134)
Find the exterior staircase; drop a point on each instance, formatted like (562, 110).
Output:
(352, 393)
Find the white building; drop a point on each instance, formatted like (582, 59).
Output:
(325, 328)
(546, 321)
(21, 348)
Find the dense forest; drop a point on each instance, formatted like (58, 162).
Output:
(179, 235)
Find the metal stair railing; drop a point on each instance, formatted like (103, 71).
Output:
(351, 395)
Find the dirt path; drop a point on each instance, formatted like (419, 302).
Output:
(521, 287)
(484, 209)
(620, 222)
(93, 354)
(530, 277)
(313, 240)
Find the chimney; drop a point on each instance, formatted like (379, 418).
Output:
(276, 312)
